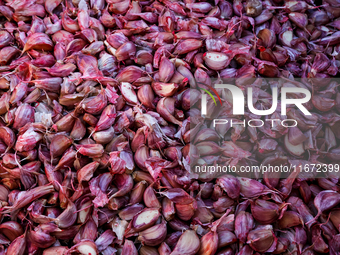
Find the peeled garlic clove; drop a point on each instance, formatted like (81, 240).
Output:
(286, 37)
(188, 244)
